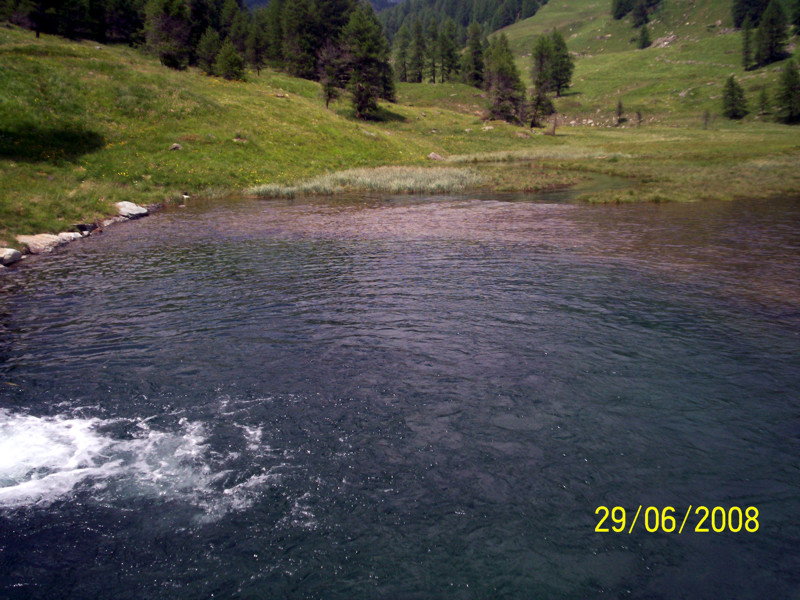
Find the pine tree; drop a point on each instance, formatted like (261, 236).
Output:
(640, 14)
(734, 105)
(367, 60)
(620, 8)
(506, 92)
(787, 101)
(796, 17)
(432, 55)
(748, 9)
(542, 67)
(167, 29)
(274, 31)
(562, 65)
(449, 49)
(763, 101)
(644, 38)
(416, 59)
(771, 34)
(207, 50)
(541, 75)
(401, 57)
(299, 49)
(747, 45)
(330, 71)
(256, 44)
(229, 64)
(239, 30)
(472, 64)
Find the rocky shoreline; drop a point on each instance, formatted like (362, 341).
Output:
(43, 243)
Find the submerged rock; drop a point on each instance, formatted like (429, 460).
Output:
(129, 210)
(8, 256)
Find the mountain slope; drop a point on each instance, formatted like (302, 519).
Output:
(677, 79)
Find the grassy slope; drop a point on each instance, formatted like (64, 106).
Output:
(673, 84)
(83, 125)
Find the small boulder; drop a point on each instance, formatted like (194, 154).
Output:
(129, 210)
(522, 134)
(68, 236)
(9, 256)
(434, 156)
(176, 147)
(40, 243)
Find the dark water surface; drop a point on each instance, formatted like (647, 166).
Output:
(404, 398)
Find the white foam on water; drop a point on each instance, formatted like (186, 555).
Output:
(43, 459)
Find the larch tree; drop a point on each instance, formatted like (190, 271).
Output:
(734, 105)
(167, 30)
(787, 101)
(416, 58)
(771, 34)
(366, 56)
(402, 41)
(472, 64)
(506, 92)
(561, 66)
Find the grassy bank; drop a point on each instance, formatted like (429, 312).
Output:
(84, 125)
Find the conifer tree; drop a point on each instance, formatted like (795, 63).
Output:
(330, 71)
(432, 54)
(229, 63)
(763, 101)
(796, 16)
(207, 50)
(416, 59)
(748, 9)
(472, 64)
(771, 34)
(367, 61)
(506, 93)
(620, 8)
(299, 49)
(562, 65)
(734, 105)
(449, 49)
(747, 45)
(787, 101)
(274, 31)
(401, 57)
(167, 29)
(256, 44)
(541, 69)
(643, 41)
(240, 29)
(640, 13)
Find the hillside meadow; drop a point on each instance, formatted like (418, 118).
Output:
(84, 125)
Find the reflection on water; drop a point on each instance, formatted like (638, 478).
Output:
(402, 397)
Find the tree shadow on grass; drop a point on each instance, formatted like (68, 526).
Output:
(384, 115)
(54, 145)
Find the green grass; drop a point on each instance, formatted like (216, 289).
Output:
(84, 125)
(392, 180)
(673, 82)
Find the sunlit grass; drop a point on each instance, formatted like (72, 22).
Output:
(391, 180)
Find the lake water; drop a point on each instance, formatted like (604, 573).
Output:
(404, 398)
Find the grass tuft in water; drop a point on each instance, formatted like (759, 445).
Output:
(391, 180)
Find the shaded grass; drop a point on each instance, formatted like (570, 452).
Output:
(391, 180)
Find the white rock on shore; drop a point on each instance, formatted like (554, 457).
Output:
(129, 210)
(8, 256)
(39, 243)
